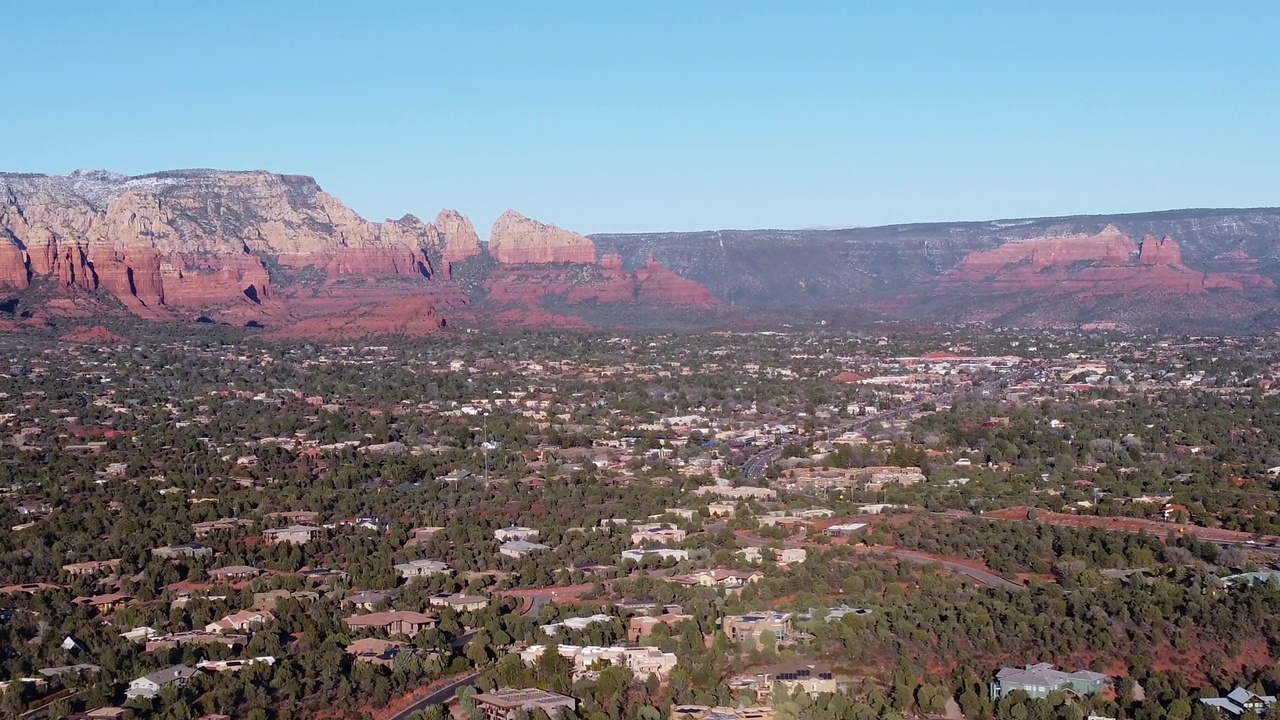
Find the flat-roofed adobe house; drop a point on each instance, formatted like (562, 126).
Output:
(234, 573)
(460, 602)
(183, 550)
(295, 534)
(515, 532)
(422, 568)
(507, 703)
(240, 621)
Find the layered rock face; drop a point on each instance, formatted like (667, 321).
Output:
(515, 239)
(278, 250)
(1105, 263)
(189, 240)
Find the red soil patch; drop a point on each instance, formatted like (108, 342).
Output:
(1124, 524)
(93, 335)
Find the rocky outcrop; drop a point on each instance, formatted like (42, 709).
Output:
(1162, 251)
(659, 285)
(458, 235)
(1105, 263)
(515, 239)
(190, 240)
(413, 315)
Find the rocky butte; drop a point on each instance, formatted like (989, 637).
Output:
(516, 240)
(276, 250)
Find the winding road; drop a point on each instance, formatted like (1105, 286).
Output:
(442, 696)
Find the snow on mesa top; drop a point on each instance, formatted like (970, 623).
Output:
(100, 187)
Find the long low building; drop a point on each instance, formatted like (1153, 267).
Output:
(1040, 679)
(642, 661)
(640, 554)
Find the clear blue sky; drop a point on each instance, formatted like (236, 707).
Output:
(611, 116)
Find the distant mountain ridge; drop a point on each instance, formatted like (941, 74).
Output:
(276, 250)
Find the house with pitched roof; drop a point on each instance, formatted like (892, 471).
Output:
(1240, 701)
(148, 686)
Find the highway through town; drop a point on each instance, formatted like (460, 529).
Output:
(756, 465)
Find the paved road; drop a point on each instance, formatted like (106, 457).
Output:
(981, 576)
(439, 697)
(755, 466)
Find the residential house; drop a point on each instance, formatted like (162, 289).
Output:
(1041, 679)
(784, 556)
(730, 580)
(418, 536)
(368, 522)
(840, 611)
(90, 567)
(752, 626)
(367, 599)
(515, 532)
(234, 573)
(235, 665)
(321, 575)
(268, 600)
(105, 604)
(813, 679)
(576, 623)
(641, 626)
(460, 602)
(375, 650)
(704, 712)
(242, 621)
(183, 550)
(641, 661)
(520, 548)
(722, 509)
(196, 637)
(392, 622)
(639, 554)
(845, 529)
(656, 533)
(737, 493)
(1240, 701)
(148, 686)
(294, 534)
(204, 528)
(508, 703)
(305, 517)
(422, 568)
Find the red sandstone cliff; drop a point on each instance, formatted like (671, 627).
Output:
(192, 241)
(515, 239)
(1109, 262)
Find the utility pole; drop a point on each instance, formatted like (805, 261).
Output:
(484, 443)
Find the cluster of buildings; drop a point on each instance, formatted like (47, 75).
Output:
(642, 661)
